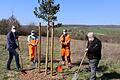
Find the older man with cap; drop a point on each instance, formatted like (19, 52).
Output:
(32, 45)
(65, 47)
(93, 53)
(11, 46)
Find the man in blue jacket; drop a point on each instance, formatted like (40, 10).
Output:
(93, 53)
(11, 46)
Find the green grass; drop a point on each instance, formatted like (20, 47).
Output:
(109, 68)
(3, 57)
(106, 31)
(100, 30)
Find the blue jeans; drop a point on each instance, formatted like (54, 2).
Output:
(12, 52)
(93, 66)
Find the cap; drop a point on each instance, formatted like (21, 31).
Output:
(33, 31)
(64, 30)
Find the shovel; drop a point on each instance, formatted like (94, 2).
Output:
(35, 58)
(21, 60)
(76, 74)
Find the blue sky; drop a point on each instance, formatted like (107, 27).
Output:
(71, 11)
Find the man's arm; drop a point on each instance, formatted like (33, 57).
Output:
(9, 38)
(68, 41)
(96, 47)
(61, 39)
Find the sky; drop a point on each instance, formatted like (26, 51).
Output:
(89, 12)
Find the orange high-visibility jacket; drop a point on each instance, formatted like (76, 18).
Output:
(65, 42)
(65, 39)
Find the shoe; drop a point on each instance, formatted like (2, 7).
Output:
(63, 62)
(35, 63)
(8, 69)
(32, 65)
(69, 65)
(19, 69)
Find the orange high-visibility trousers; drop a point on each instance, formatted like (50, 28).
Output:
(32, 50)
(65, 51)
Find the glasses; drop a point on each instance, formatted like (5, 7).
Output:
(13, 28)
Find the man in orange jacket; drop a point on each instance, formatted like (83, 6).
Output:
(32, 45)
(65, 49)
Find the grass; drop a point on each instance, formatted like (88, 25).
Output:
(109, 66)
(99, 30)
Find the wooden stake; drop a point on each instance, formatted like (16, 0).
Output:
(20, 54)
(39, 49)
(47, 49)
(52, 48)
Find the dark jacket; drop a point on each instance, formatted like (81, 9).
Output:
(94, 49)
(11, 41)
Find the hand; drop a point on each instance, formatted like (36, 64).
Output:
(65, 43)
(19, 48)
(34, 44)
(86, 49)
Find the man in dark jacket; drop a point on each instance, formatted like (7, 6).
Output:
(11, 46)
(93, 53)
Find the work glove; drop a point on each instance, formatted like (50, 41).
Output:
(18, 48)
(65, 43)
(86, 49)
(34, 44)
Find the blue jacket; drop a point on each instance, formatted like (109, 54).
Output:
(11, 41)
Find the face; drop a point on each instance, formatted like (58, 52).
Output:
(13, 29)
(32, 34)
(90, 36)
(90, 39)
(64, 33)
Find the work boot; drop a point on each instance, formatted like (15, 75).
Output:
(19, 69)
(68, 65)
(32, 64)
(8, 69)
(35, 64)
(63, 62)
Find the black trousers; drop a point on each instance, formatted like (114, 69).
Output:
(12, 52)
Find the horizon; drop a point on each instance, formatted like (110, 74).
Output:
(102, 12)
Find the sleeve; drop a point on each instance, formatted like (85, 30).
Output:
(61, 38)
(68, 39)
(28, 38)
(96, 47)
(87, 44)
(11, 41)
(37, 40)
(9, 38)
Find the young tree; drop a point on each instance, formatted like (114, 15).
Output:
(46, 11)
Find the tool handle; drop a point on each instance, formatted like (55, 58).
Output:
(21, 60)
(82, 61)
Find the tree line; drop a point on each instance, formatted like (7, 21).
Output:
(5, 26)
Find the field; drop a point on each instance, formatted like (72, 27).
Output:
(109, 66)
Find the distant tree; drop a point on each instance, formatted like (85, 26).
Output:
(3, 26)
(13, 21)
